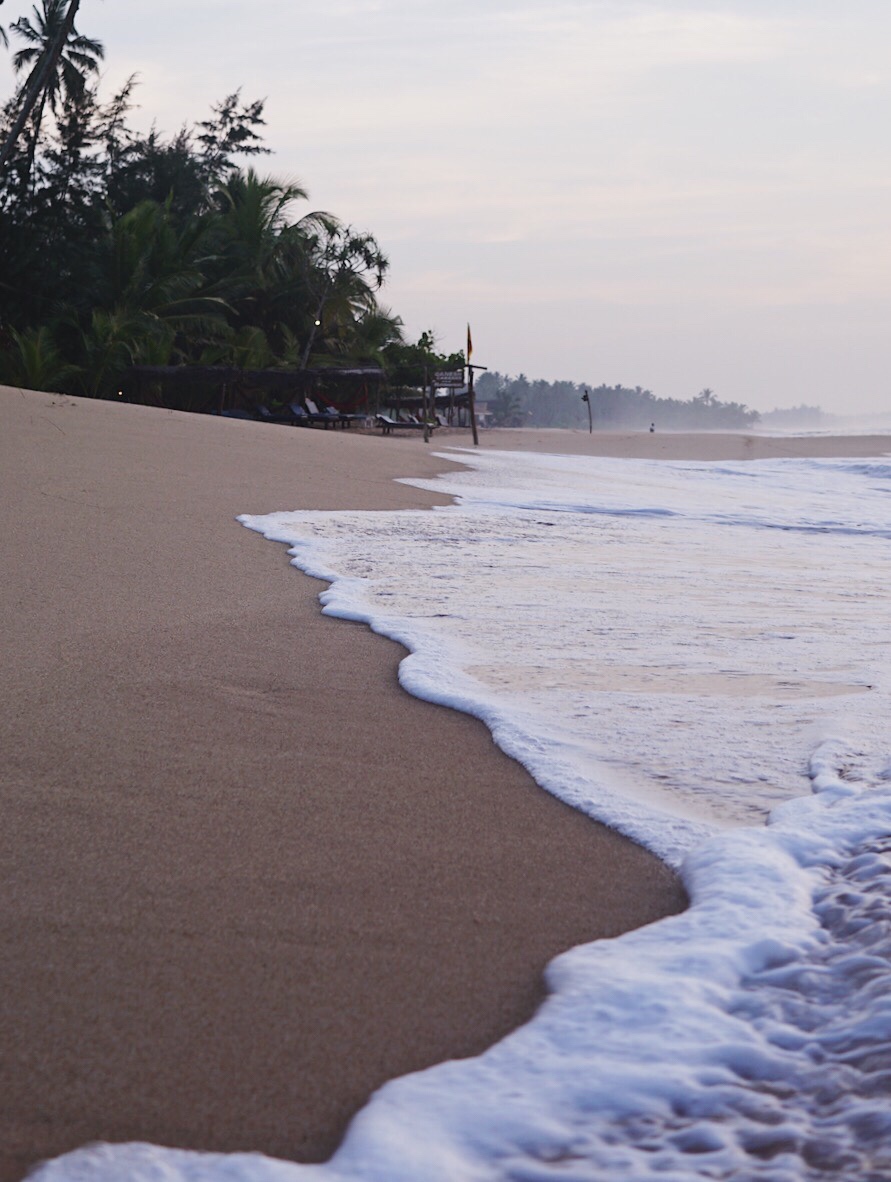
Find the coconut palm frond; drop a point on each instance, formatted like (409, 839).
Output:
(33, 362)
(59, 62)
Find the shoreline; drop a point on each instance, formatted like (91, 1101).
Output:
(686, 445)
(241, 893)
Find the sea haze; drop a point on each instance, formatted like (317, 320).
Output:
(695, 654)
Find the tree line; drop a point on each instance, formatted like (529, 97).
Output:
(121, 249)
(519, 402)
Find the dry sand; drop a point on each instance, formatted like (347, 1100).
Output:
(246, 879)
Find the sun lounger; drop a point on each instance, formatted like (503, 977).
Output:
(346, 417)
(387, 424)
(325, 414)
(285, 415)
(301, 415)
(339, 418)
(314, 415)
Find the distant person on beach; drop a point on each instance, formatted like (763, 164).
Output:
(652, 428)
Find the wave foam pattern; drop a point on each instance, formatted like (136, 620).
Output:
(667, 675)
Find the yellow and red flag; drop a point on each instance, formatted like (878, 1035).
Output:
(469, 345)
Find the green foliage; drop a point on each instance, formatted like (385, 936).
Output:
(232, 131)
(33, 362)
(506, 409)
(797, 418)
(57, 61)
(245, 348)
(412, 365)
(120, 249)
(78, 57)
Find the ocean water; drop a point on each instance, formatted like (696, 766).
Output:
(699, 655)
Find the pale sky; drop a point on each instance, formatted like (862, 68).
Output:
(653, 192)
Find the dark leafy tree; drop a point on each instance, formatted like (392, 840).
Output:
(506, 409)
(343, 270)
(414, 364)
(232, 131)
(152, 250)
(33, 361)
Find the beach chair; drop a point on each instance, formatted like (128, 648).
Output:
(388, 424)
(300, 415)
(314, 415)
(284, 416)
(345, 417)
(325, 414)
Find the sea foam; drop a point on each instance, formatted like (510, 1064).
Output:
(694, 654)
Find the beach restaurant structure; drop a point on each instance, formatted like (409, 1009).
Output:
(219, 389)
(214, 389)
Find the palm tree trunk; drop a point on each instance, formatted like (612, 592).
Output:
(317, 320)
(25, 187)
(39, 83)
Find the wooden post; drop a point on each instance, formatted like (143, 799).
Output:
(476, 438)
(586, 397)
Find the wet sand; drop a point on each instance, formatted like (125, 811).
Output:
(685, 445)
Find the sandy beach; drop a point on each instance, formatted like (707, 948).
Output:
(247, 879)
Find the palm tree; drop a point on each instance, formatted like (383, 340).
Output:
(506, 409)
(149, 300)
(262, 257)
(345, 268)
(60, 61)
(155, 269)
(252, 222)
(33, 361)
(117, 339)
(372, 334)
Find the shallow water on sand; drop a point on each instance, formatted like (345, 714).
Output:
(663, 645)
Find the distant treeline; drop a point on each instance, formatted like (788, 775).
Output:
(519, 402)
(797, 418)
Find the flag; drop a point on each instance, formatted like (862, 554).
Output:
(469, 345)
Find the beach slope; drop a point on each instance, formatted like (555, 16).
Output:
(246, 878)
